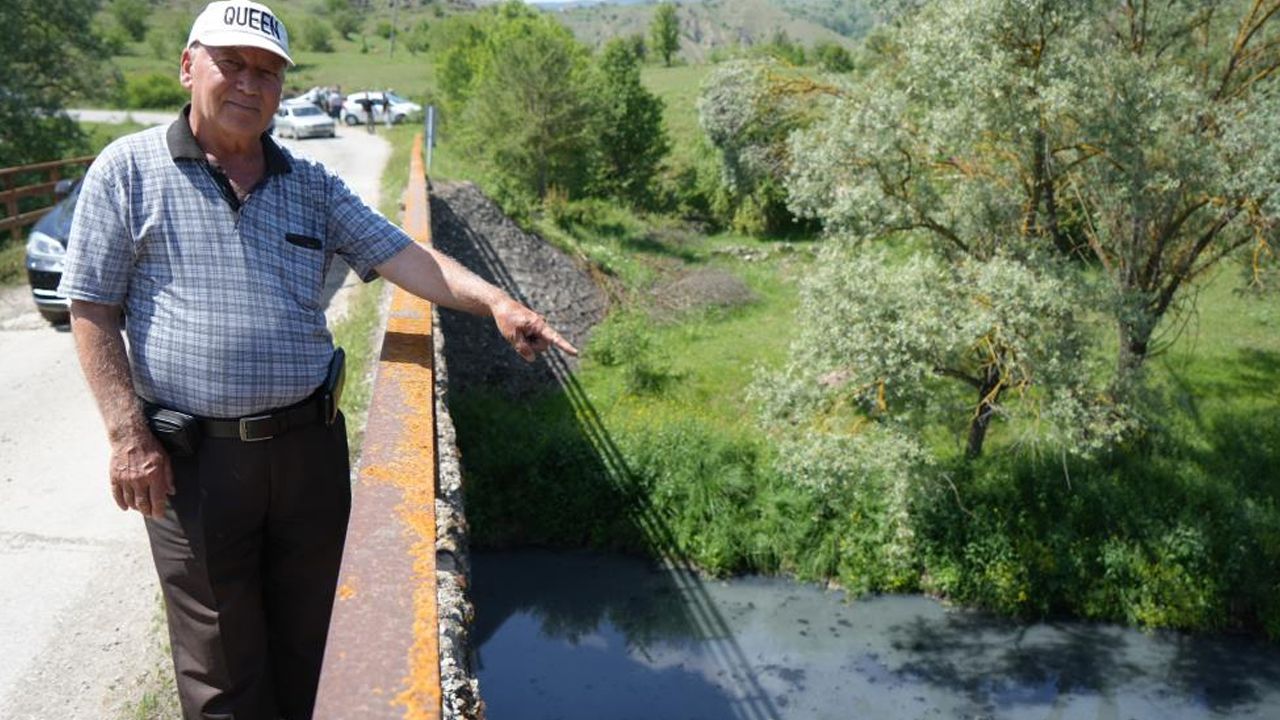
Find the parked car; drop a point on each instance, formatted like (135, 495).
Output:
(46, 250)
(312, 96)
(302, 120)
(401, 108)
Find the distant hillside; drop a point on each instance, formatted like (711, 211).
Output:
(717, 24)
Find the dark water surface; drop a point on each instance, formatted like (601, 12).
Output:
(599, 637)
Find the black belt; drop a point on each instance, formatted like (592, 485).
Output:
(268, 425)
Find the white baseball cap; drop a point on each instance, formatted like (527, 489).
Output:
(241, 23)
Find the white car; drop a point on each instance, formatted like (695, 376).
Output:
(353, 112)
(302, 120)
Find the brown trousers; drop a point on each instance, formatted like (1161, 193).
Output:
(248, 554)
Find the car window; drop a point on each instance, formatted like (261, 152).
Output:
(308, 110)
(396, 98)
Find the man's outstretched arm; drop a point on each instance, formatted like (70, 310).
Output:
(438, 278)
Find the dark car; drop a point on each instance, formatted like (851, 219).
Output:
(46, 250)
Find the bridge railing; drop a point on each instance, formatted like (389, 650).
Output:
(47, 175)
(382, 655)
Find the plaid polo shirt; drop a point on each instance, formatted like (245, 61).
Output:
(222, 299)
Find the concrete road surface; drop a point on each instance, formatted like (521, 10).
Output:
(79, 601)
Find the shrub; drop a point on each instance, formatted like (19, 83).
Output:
(154, 91)
(316, 35)
(624, 339)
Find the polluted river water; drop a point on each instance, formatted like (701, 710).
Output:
(582, 636)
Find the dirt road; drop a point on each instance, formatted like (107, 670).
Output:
(79, 602)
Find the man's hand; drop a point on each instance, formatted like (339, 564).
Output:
(440, 279)
(527, 331)
(140, 473)
(141, 476)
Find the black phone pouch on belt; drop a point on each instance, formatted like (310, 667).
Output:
(331, 391)
(177, 431)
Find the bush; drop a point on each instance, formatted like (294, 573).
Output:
(316, 35)
(625, 340)
(832, 58)
(154, 91)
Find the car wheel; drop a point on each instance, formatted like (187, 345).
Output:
(55, 316)
(333, 133)
(350, 120)
(397, 119)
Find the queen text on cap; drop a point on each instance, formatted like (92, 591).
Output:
(241, 23)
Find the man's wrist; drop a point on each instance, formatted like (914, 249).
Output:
(498, 301)
(131, 428)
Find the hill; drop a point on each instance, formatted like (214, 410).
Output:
(712, 25)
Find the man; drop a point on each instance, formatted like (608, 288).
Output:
(335, 102)
(215, 242)
(366, 103)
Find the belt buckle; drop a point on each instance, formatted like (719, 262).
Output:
(244, 427)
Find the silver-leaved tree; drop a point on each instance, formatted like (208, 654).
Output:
(1139, 134)
(1023, 148)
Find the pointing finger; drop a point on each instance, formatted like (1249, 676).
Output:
(560, 342)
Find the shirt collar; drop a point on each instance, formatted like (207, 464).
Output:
(183, 145)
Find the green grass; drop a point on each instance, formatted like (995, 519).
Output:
(359, 334)
(678, 87)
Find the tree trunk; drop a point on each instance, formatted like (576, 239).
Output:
(1135, 339)
(988, 395)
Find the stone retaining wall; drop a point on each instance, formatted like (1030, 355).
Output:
(469, 227)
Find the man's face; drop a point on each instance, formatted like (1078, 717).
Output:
(235, 90)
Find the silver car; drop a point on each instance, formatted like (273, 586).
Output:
(399, 109)
(46, 249)
(303, 120)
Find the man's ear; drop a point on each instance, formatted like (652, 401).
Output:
(184, 68)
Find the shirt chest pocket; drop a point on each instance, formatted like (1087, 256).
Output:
(302, 265)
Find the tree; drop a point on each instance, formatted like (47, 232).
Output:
(418, 40)
(346, 19)
(57, 55)
(1136, 136)
(316, 35)
(781, 47)
(748, 111)
(665, 32)
(517, 79)
(832, 57)
(917, 341)
(631, 135)
(132, 16)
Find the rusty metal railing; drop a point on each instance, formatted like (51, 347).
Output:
(382, 656)
(10, 192)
